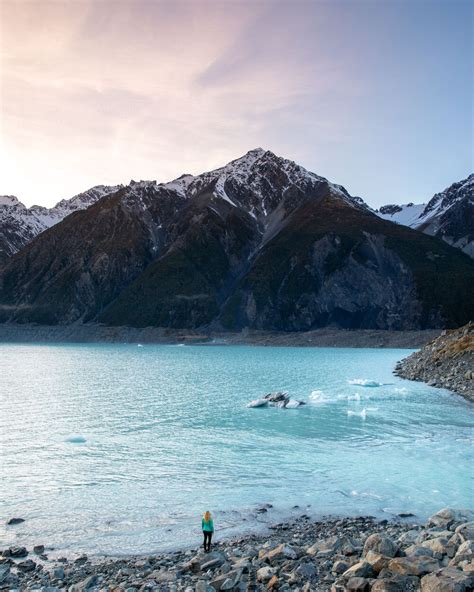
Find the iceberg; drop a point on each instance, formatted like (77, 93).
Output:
(280, 399)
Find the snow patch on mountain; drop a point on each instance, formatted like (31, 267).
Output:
(406, 214)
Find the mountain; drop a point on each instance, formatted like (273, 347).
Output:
(448, 215)
(19, 224)
(260, 243)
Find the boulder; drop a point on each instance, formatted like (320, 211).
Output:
(86, 584)
(324, 548)
(377, 561)
(449, 518)
(413, 566)
(465, 552)
(27, 565)
(4, 572)
(212, 564)
(283, 551)
(357, 584)
(408, 538)
(418, 551)
(203, 586)
(273, 583)
(58, 573)
(348, 546)
(380, 544)
(13, 521)
(439, 546)
(387, 585)
(15, 552)
(448, 580)
(362, 569)
(466, 530)
(213, 559)
(306, 571)
(38, 549)
(340, 567)
(265, 574)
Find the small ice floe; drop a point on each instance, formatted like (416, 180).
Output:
(293, 404)
(258, 403)
(364, 382)
(76, 440)
(280, 399)
(401, 391)
(316, 396)
(354, 397)
(362, 414)
(139, 345)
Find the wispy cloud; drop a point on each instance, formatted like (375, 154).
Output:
(100, 91)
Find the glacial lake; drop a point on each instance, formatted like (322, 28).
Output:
(119, 448)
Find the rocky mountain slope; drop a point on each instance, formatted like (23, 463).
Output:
(19, 224)
(448, 215)
(447, 362)
(260, 242)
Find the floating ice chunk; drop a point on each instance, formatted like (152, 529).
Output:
(364, 382)
(316, 395)
(362, 414)
(354, 397)
(139, 345)
(258, 403)
(293, 404)
(76, 440)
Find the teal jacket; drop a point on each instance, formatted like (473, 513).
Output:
(208, 526)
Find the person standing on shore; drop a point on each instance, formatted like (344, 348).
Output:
(207, 530)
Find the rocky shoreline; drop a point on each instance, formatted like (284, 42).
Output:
(327, 337)
(446, 362)
(329, 555)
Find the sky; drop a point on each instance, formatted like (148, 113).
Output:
(374, 95)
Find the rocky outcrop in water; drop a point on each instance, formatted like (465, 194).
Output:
(446, 362)
(333, 555)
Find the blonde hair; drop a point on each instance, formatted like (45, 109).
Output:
(207, 515)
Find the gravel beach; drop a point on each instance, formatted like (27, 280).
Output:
(331, 554)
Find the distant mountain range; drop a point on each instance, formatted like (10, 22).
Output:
(260, 243)
(448, 215)
(19, 224)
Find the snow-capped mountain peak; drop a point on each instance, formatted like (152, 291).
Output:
(449, 215)
(19, 224)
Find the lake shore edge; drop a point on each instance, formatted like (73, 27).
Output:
(445, 362)
(331, 554)
(326, 337)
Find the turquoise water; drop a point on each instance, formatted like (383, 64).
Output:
(119, 448)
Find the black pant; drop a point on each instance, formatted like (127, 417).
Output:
(207, 540)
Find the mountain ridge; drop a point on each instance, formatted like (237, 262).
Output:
(259, 243)
(19, 224)
(448, 215)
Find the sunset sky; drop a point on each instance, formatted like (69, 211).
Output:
(375, 95)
